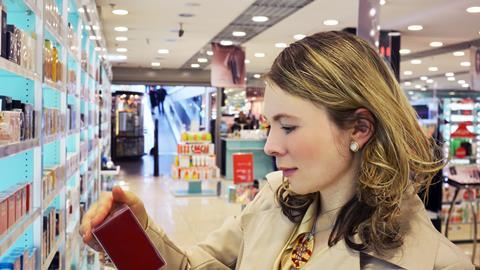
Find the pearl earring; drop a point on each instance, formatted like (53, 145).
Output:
(354, 147)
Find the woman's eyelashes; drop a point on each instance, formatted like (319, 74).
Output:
(288, 129)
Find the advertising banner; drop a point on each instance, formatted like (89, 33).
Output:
(228, 66)
(242, 168)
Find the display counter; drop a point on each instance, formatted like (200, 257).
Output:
(263, 164)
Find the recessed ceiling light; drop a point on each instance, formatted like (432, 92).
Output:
(394, 34)
(436, 44)
(195, 65)
(433, 69)
(473, 10)
(247, 61)
(259, 55)
(449, 74)
(299, 36)
(372, 12)
(239, 34)
(407, 83)
(423, 78)
(465, 85)
(429, 81)
(122, 50)
(226, 42)
(459, 53)
(330, 22)
(383, 2)
(163, 51)
(418, 86)
(120, 12)
(408, 72)
(451, 78)
(465, 64)
(451, 93)
(202, 60)
(121, 38)
(461, 81)
(281, 45)
(209, 53)
(405, 51)
(121, 29)
(415, 27)
(416, 61)
(257, 76)
(155, 64)
(259, 18)
(423, 89)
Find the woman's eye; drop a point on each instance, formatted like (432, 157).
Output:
(288, 129)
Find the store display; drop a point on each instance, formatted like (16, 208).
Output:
(196, 159)
(52, 16)
(110, 234)
(52, 179)
(52, 65)
(21, 259)
(15, 203)
(3, 31)
(52, 228)
(52, 122)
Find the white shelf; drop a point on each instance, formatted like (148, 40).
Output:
(18, 230)
(50, 197)
(52, 138)
(57, 36)
(18, 147)
(18, 70)
(72, 227)
(53, 250)
(33, 7)
(58, 86)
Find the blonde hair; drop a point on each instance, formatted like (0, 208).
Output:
(341, 73)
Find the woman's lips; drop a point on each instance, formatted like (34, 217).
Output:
(288, 172)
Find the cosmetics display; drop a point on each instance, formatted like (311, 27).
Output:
(52, 180)
(20, 258)
(52, 122)
(53, 220)
(15, 203)
(16, 121)
(52, 66)
(53, 17)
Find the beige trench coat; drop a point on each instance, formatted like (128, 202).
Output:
(254, 239)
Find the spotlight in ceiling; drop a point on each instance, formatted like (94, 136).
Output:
(416, 61)
(423, 78)
(209, 53)
(451, 79)
(202, 60)
(121, 38)
(121, 29)
(226, 42)
(458, 53)
(259, 55)
(330, 22)
(299, 36)
(465, 64)
(257, 76)
(155, 64)
(408, 72)
(195, 65)
(120, 12)
(405, 51)
(407, 83)
(122, 50)
(473, 10)
(433, 69)
(281, 45)
(260, 18)
(436, 44)
(239, 33)
(449, 74)
(415, 27)
(163, 51)
(247, 61)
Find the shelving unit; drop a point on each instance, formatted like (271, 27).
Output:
(73, 151)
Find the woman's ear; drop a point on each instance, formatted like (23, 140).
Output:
(363, 127)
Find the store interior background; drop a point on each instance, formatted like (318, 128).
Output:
(137, 48)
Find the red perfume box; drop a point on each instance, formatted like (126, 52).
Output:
(126, 243)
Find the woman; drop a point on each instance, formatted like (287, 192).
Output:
(352, 157)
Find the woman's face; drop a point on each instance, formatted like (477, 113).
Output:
(310, 149)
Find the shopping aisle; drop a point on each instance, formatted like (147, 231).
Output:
(186, 220)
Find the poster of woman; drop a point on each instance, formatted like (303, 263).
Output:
(228, 66)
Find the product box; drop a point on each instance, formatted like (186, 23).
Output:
(3, 32)
(23, 190)
(18, 203)
(140, 253)
(9, 126)
(3, 215)
(11, 209)
(10, 262)
(28, 200)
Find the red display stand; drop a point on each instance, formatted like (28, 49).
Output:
(242, 168)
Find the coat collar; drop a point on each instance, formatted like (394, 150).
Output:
(420, 241)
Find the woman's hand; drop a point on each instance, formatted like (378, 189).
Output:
(106, 204)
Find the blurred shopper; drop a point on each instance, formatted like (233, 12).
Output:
(161, 95)
(352, 158)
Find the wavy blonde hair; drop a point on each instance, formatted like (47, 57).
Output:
(341, 73)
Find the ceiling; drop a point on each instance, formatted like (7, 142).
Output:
(158, 21)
